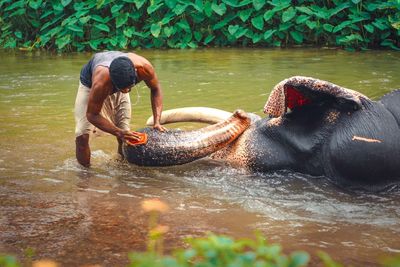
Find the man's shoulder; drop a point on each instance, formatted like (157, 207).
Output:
(101, 71)
(141, 60)
(101, 75)
(143, 66)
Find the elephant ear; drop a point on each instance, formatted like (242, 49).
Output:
(299, 91)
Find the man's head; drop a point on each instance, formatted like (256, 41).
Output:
(122, 73)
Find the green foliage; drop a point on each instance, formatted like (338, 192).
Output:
(68, 25)
(391, 262)
(8, 261)
(216, 250)
(221, 251)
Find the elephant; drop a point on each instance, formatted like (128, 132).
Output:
(313, 127)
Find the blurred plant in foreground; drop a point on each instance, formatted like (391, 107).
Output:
(155, 236)
(210, 251)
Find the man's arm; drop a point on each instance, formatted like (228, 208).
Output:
(156, 99)
(99, 92)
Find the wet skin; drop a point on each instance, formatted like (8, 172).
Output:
(331, 131)
(101, 88)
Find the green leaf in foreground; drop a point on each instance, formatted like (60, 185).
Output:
(102, 27)
(115, 9)
(256, 38)
(10, 43)
(258, 4)
(168, 31)
(269, 14)
(268, 34)
(390, 44)
(18, 34)
(302, 19)
(299, 259)
(179, 9)
(297, 36)
(63, 41)
(35, 4)
(8, 261)
(197, 36)
(155, 29)
(121, 19)
(65, 2)
(232, 29)
(328, 27)
(209, 39)
(94, 43)
(258, 22)
(139, 3)
(311, 24)
(288, 14)
(219, 9)
(369, 28)
(245, 14)
(128, 32)
(154, 8)
(184, 25)
(240, 32)
(75, 28)
(15, 5)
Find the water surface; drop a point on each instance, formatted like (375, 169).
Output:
(88, 216)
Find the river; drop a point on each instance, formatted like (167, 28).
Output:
(52, 208)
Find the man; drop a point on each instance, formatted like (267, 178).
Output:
(103, 100)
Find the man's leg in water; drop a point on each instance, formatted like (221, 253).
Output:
(83, 150)
(82, 126)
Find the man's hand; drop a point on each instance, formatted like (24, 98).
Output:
(127, 135)
(159, 127)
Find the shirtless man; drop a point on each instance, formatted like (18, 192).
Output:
(103, 100)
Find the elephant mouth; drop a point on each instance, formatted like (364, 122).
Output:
(299, 91)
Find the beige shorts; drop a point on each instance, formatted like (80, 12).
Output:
(116, 108)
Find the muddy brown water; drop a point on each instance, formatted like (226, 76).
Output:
(76, 216)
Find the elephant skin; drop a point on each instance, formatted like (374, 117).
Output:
(321, 129)
(179, 147)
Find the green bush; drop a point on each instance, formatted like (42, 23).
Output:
(223, 251)
(68, 25)
(8, 261)
(220, 251)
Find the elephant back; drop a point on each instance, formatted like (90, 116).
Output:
(392, 102)
(364, 148)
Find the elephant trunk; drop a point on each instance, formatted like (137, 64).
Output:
(192, 114)
(179, 147)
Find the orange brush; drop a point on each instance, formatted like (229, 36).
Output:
(142, 139)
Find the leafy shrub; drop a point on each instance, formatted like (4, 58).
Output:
(218, 251)
(68, 25)
(223, 251)
(209, 251)
(8, 261)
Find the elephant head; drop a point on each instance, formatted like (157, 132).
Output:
(314, 127)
